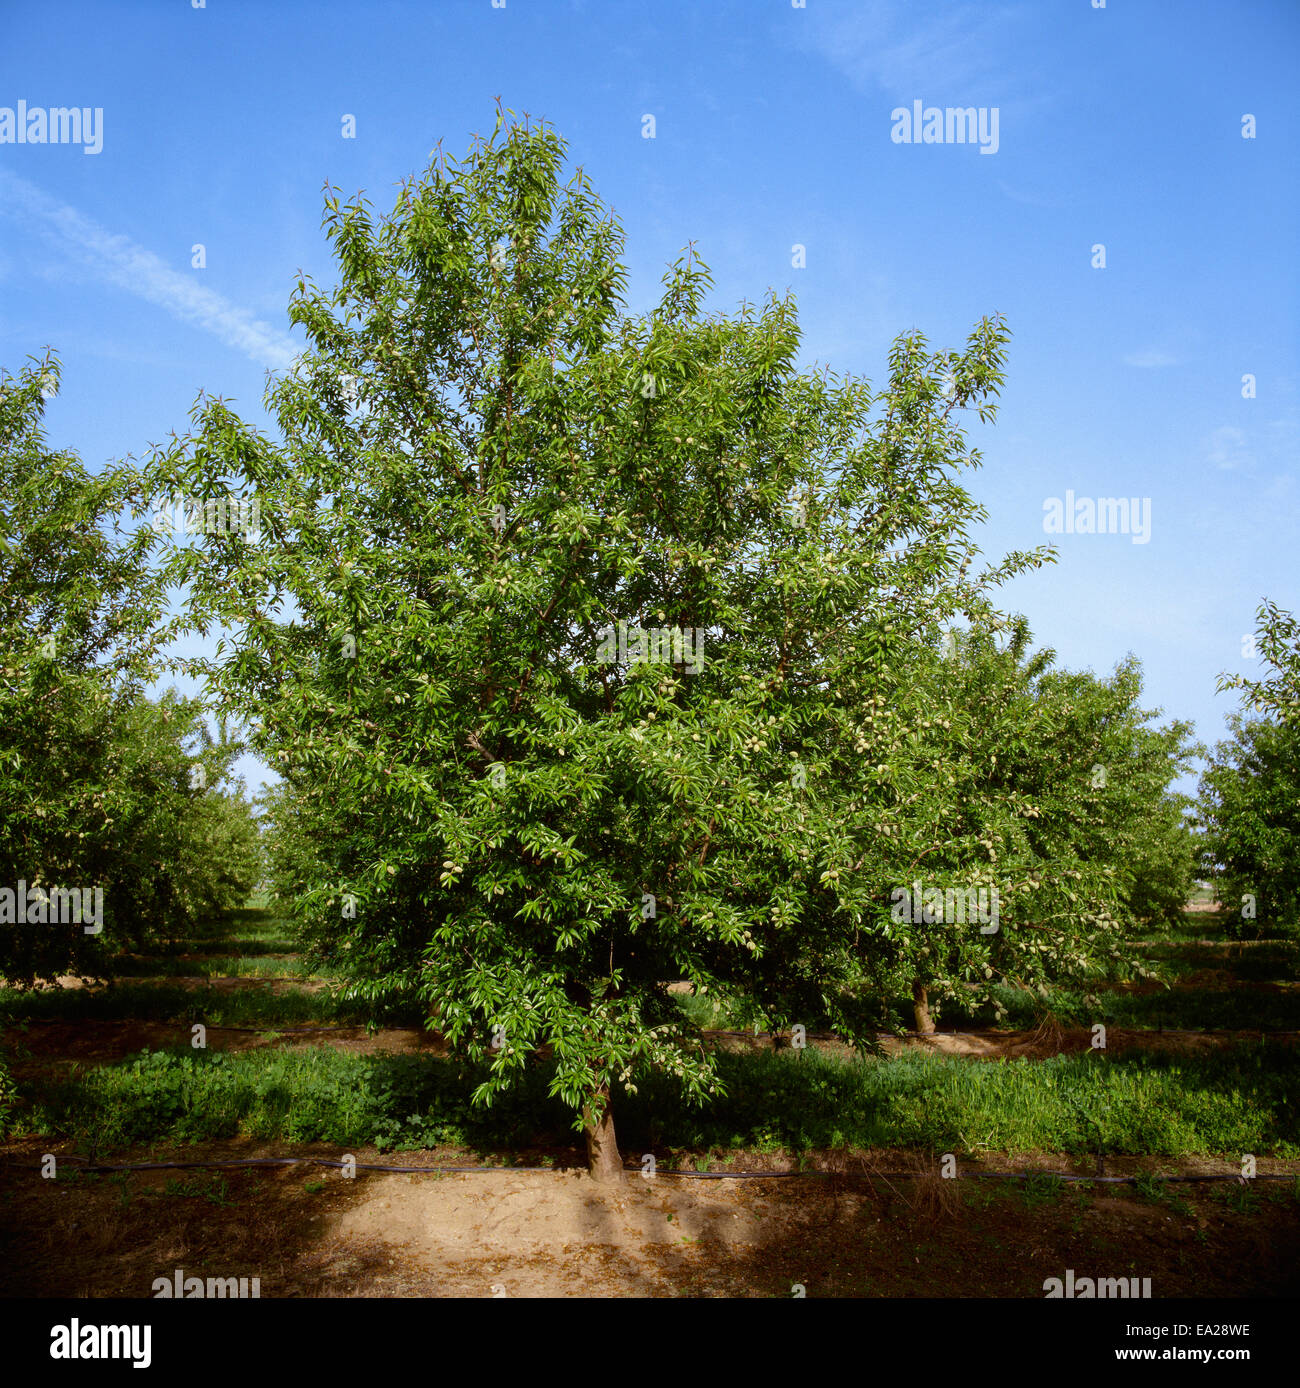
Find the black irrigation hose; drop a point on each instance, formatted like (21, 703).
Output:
(1113, 1026)
(280, 1031)
(272, 1161)
(697, 1175)
(756, 1035)
(212, 1026)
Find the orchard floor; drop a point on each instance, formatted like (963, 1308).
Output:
(48, 1048)
(308, 1232)
(860, 1229)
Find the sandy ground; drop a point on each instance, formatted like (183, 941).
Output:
(862, 1230)
(859, 1231)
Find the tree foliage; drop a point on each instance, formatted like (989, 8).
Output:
(1023, 820)
(1250, 791)
(1277, 638)
(485, 466)
(97, 783)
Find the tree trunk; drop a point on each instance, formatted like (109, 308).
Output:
(921, 1008)
(604, 1164)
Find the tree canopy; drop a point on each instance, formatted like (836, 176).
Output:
(598, 650)
(561, 619)
(1250, 791)
(103, 791)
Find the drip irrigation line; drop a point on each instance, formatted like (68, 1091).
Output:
(85, 1164)
(278, 1161)
(282, 1031)
(755, 1035)
(996, 1035)
(212, 1026)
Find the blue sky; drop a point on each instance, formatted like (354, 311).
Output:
(1119, 126)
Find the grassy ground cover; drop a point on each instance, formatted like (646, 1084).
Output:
(1234, 1099)
(1237, 1099)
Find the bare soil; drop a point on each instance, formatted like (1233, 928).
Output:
(308, 1232)
(859, 1228)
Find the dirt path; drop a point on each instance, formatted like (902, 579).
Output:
(308, 1232)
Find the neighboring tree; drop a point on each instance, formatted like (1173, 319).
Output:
(1134, 823)
(1250, 804)
(296, 833)
(1164, 860)
(77, 605)
(197, 844)
(1250, 791)
(1277, 639)
(485, 467)
(1024, 819)
(97, 789)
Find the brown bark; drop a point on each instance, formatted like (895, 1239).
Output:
(921, 1008)
(604, 1164)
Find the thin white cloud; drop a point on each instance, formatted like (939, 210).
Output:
(1226, 448)
(1281, 488)
(1150, 356)
(121, 262)
(1028, 199)
(928, 55)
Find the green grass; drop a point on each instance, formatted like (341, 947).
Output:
(170, 1002)
(1041, 1190)
(717, 1011)
(213, 1188)
(248, 942)
(1175, 956)
(249, 930)
(1153, 1189)
(1239, 1199)
(1184, 1009)
(1268, 961)
(213, 966)
(1238, 1099)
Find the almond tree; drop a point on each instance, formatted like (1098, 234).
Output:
(1277, 638)
(98, 784)
(1025, 820)
(1250, 790)
(560, 620)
